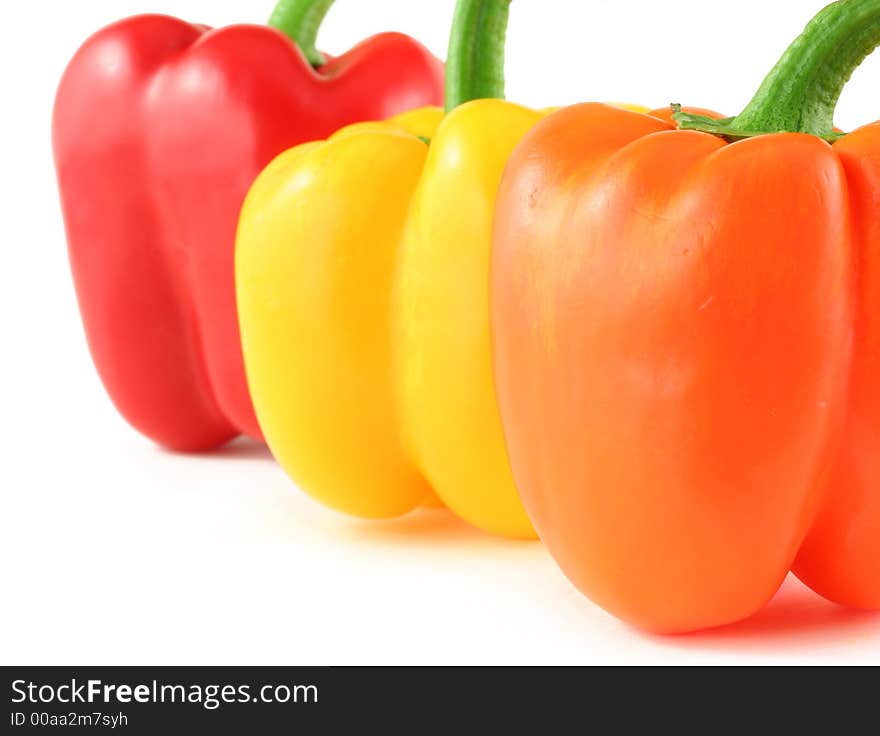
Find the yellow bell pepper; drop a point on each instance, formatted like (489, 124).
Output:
(362, 268)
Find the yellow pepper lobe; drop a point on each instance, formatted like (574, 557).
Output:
(443, 357)
(316, 256)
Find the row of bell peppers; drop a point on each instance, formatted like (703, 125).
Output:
(653, 338)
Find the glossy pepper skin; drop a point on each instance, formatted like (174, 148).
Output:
(160, 126)
(362, 274)
(364, 316)
(687, 345)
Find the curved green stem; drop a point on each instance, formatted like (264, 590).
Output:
(801, 93)
(475, 62)
(300, 20)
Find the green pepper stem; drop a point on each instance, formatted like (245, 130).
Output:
(801, 93)
(475, 62)
(300, 20)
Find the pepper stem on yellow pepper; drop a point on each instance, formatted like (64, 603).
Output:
(475, 61)
(801, 93)
(300, 20)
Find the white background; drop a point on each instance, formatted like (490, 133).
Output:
(115, 552)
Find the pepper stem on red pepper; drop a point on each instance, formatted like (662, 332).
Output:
(475, 62)
(801, 93)
(300, 20)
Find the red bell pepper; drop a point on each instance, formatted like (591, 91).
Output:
(160, 127)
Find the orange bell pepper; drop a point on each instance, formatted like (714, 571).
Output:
(687, 343)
